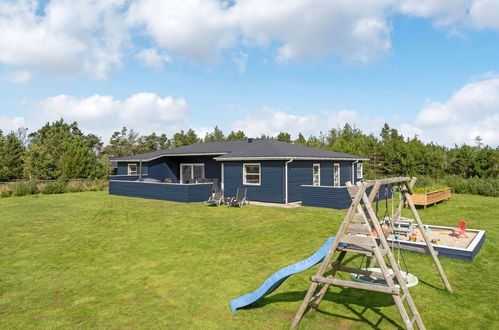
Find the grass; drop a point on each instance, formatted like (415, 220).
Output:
(90, 260)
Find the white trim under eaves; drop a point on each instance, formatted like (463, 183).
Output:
(285, 158)
(169, 155)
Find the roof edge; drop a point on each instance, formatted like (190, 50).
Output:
(287, 158)
(170, 155)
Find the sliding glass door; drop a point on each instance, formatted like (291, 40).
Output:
(190, 173)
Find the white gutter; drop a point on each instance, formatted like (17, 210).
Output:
(353, 170)
(222, 179)
(286, 180)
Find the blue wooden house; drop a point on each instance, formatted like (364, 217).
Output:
(272, 171)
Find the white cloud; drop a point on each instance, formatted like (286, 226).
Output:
(73, 37)
(240, 59)
(90, 37)
(19, 77)
(444, 12)
(271, 122)
(193, 29)
(478, 14)
(151, 58)
(317, 28)
(472, 110)
(484, 14)
(11, 124)
(144, 112)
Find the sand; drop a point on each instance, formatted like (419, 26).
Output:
(444, 235)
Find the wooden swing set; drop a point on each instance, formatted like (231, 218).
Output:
(358, 233)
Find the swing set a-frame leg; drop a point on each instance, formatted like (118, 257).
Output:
(316, 300)
(407, 197)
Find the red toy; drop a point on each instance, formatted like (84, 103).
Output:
(461, 230)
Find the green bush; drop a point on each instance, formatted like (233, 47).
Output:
(460, 185)
(19, 189)
(75, 186)
(56, 187)
(5, 190)
(31, 187)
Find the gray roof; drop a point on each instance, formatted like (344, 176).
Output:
(249, 149)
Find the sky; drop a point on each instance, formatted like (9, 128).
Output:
(427, 68)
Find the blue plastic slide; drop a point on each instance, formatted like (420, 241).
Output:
(274, 281)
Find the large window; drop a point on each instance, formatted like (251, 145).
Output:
(251, 174)
(132, 169)
(336, 175)
(359, 171)
(190, 173)
(316, 176)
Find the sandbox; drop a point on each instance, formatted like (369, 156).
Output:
(463, 248)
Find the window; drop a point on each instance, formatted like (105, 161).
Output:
(316, 176)
(336, 175)
(190, 173)
(251, 174)
(132, 169)
(359, 171)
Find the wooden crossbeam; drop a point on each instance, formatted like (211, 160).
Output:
(356, 285)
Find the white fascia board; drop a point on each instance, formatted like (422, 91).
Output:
(170, 155)
(285, 158)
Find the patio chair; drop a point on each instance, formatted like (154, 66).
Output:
(240, 198)
(216, 199)
(461, 231)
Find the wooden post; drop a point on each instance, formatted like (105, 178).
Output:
(327, 259)
(427, 241)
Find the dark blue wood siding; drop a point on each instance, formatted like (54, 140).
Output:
(124, 177)
(330, 197)
(169, 167)
(334, 197)
(161, 169)
(162, 191)
(123, 168)
(300, 173)
(271, 188)
(345, 172)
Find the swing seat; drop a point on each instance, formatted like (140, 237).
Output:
(411, 280)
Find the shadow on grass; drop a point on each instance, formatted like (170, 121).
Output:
(350, 298)
(432, 286)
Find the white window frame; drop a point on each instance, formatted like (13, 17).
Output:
(192, 170)
(130, 172)
(360, 170)
(259, 174)
(336, 166)
(318, 174)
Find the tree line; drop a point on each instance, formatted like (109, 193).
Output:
(60, 150)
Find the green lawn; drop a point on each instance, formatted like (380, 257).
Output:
(90, 260)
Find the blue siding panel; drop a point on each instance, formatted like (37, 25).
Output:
(169, 167)
(272, 181)
(161, 191)
(123, 168)
(329, 197)
(334, 197)
(300, 173)
(124, 177)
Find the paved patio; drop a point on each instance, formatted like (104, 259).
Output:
(289, 205)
